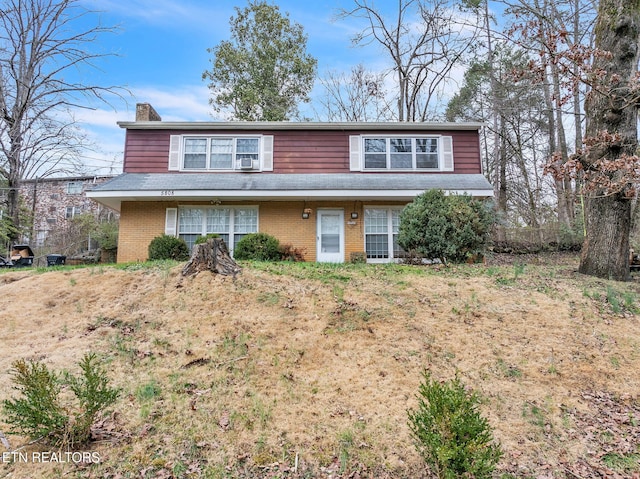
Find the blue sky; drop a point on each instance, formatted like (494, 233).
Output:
(161, 48)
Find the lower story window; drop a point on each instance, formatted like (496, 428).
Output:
(232, 224)
(381, 227)
(71, 212)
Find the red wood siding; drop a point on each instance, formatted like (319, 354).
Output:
(311, 152)
(147, 151)
(466, 152)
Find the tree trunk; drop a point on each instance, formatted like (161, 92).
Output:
(605, 252)
(211, 256)
(563, 215)
(13, 210)
(14, 179)
(567, 194)
(502, 169)
(611, 108)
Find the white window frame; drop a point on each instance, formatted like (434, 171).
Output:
(232, 222)
(388, 152)
(390, 233)
(235, 161)
(74, 187)
(71, 212)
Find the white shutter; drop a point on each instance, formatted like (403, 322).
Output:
(267, 153)
(354, 153)
(447, 153)
(175, 143)
(171, 222)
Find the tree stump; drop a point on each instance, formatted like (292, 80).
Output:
(211, 256)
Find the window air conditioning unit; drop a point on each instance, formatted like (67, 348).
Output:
(246, 163)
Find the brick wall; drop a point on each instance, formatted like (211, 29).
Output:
(140, 222)
(284, 221)
(52, 199)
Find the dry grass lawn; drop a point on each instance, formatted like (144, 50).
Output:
(301, 371)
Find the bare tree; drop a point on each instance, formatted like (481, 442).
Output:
(425, 41)
(43, 43)
(556, 33)
(360, 96)
(515, 162)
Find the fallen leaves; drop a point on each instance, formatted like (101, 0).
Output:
(611, 429)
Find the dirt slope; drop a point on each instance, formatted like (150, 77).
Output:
(308, 371)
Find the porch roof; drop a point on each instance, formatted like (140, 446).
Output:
(282, 187)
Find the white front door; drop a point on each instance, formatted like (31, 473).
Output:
(330, 241)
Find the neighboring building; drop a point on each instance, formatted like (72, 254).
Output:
(53, 202)
(332, 189)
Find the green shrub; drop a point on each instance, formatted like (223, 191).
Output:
(40, 412)
(451, 228)
(168, 247)
(257, 247)
(449, 432)
(106, 235)
(203, 239)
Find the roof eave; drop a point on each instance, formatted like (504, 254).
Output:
(271, 125)
(113, 199)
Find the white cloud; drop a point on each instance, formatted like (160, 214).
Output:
(167, 12)
(100, 125)
(97, 117)
(179, 103)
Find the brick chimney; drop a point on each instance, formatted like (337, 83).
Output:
(145, 112)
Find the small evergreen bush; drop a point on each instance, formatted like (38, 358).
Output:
(451, 228)
(450, 434)
(257, 247)
(168, 247)
(40, 412)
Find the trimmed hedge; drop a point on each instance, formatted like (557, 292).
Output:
(168, 247)
(258, 247)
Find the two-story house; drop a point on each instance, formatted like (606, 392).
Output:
(332, 189)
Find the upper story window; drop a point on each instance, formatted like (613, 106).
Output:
(74, 187)
(220, 153)
(401, 153)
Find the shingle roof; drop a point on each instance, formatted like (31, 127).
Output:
(274, 186)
